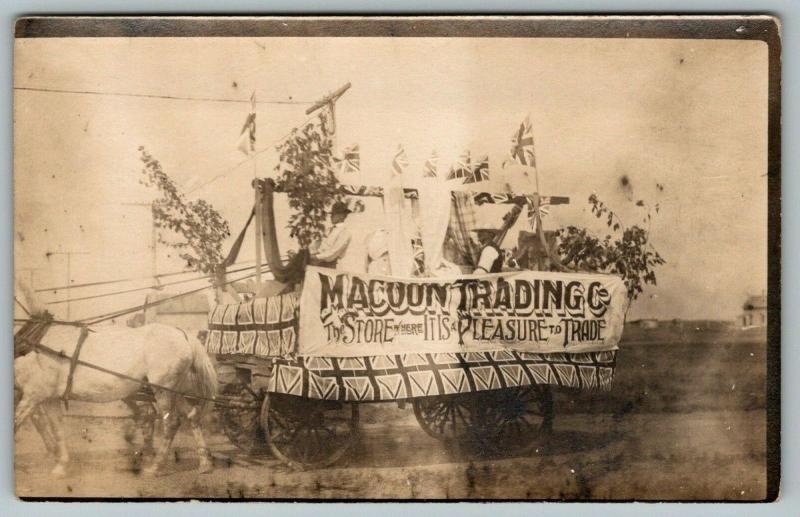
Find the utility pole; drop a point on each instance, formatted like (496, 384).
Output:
(31, 276)
(31, 284)
(153, 238)
(69, 255)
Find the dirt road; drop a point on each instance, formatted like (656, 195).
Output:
(588, 456)
(684, 420)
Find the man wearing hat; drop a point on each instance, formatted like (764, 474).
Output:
(491, 258)
(334, 246)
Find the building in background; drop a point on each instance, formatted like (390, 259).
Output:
(188, 313)
(754, 312)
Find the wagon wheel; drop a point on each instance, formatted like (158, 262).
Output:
(447, 418)
(240, 418)
(308, 433)
(513, 420)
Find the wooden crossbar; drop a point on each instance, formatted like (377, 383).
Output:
(479, 197)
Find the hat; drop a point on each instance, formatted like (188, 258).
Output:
(485, 229)
(486, 225)
(340, 207)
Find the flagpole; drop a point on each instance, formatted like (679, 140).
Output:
(258, 229)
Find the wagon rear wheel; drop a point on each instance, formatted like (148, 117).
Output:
(240, 418)
(447, 418)
(513, 420)
(308, 433)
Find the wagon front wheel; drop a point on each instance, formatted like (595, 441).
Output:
(239, 417)
(308, 433)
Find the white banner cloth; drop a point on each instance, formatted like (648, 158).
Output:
(348, 315)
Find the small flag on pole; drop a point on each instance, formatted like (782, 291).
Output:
(400, 161)
(247, 138)
(462, 168)
(429, 170)
(522, 150)
(480, 172)
(349, 161)
(544, 209)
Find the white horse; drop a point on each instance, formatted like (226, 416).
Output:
(161, 354)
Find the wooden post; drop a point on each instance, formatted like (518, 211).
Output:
(330, 101)
(257, 189)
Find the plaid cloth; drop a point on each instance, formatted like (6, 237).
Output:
(462, 221)
(419, 256)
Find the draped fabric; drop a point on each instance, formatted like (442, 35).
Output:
(406, 376)
(291, 272)
(462, 221)
(398, 225)
(233, 254)
(264, 327)
(434, 199)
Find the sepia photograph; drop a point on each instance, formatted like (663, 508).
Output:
(397, 258)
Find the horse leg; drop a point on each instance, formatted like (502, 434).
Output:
(130, 430)
(42, 425)
(24, 408)
(194, 417)
(62, 454)
(172, 421)
(149, 423)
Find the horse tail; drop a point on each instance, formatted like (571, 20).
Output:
(203, 368)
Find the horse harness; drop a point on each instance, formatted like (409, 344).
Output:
(29, 338)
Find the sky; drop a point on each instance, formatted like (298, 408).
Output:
(690, 115)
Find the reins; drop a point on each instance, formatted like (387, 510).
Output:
(94, 320)
(60, 354)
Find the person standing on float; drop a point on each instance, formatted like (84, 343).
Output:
(491, 258)
(334, 245)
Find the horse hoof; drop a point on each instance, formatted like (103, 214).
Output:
(152, 471)
(59, 471)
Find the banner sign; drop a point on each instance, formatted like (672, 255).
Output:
(348, 315)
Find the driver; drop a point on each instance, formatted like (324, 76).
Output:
(334, 246)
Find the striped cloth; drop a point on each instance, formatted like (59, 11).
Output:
(262, 326)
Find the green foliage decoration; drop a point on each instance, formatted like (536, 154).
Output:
(197, 229)
(305, 174)
(625, 251)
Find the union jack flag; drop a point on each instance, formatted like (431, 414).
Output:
(431, 165)
(349, 161)
(462, 168)
(247, 137)
(480, 172)
(400, 161)
(522, 150)
(544, 209)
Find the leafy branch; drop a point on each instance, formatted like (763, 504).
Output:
(626, 251)
(305, 174)
(200, 228)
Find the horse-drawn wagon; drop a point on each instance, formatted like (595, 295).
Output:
(476, 356)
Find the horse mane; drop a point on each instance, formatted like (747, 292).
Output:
(31, 333)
